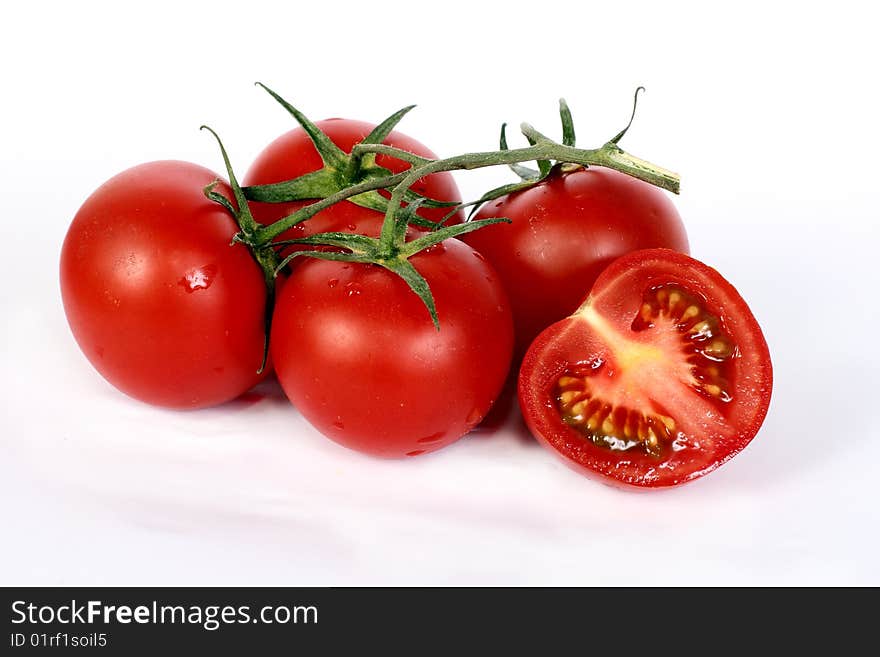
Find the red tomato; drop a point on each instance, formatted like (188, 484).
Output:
(564, 232)
(357, 353)
(293, 155)
(159, 302)
(658, 378)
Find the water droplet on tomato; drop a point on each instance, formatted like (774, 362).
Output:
(339, 425)
(333, 282)
(351, 227)
(198, 278)
(353, 289)
(479, 256)
(433, 438)
(474, 416)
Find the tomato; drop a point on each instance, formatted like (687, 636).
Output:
(658, 378)
(293, 154)
(564, 232)
(159, 302)
(357, 353)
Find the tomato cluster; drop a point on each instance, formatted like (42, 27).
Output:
(635, 362)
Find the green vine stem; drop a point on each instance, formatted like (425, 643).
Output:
(391, 250)
(610, 155)
(268, 233)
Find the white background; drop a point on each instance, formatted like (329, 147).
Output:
(768, 111)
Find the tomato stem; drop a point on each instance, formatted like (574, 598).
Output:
(610, 155)
(357, 178)
(266, 234)
(262, 253)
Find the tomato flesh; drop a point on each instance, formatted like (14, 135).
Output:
(659, 377)
(626, 400)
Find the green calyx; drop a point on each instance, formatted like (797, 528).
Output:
(530, 177)
(356, 177)
(341, 170)
(263, 254)
(393, 256)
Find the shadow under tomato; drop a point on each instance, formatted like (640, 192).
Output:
(266, 390)
(505, 416)
(501, 410)
(519, 429)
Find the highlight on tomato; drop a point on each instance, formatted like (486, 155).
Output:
(658, 378)
(159, 301)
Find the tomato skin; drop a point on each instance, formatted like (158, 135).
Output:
(356, 352)
(157, 299)
(615, 298)
(293, 154)
(563, 232)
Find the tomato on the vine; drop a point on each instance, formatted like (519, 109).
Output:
(565, 230)
(658, 378)
(157, 299)
(357, 353)
(293, 155)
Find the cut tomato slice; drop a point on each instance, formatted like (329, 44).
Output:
(659, 377)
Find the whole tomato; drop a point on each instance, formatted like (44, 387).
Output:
(565, 230)
(357, 353)
(158, 300)
(293, 154)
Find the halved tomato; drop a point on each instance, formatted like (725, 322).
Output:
(658, 378)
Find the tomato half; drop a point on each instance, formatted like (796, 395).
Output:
(658, 378)
(293, 154)
(564, 232)
(157, 299)
(357, 353)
